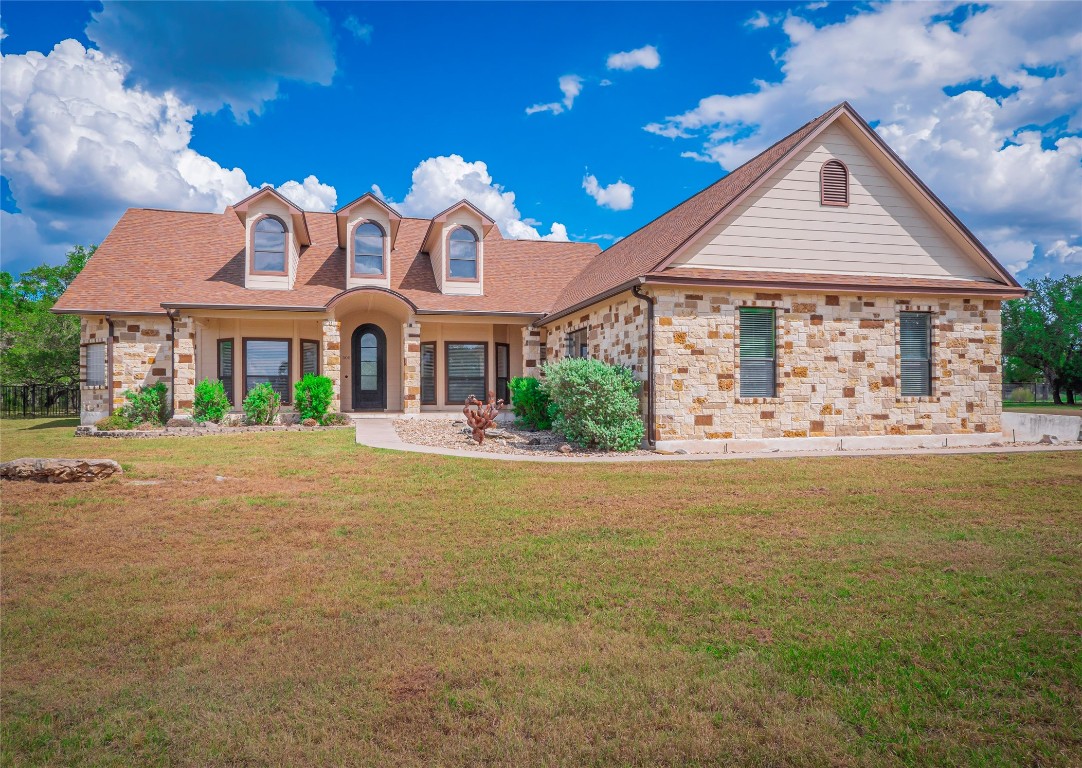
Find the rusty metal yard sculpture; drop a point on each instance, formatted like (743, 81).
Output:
(480, 416)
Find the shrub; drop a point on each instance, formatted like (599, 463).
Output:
(261, 405)
(313, 395)
(115, 420)
(336, 420)
(1021, 395)
(211, 402)
(594, 404)
(148, 404)
(530, 402)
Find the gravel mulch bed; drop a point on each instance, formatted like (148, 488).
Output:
(440, 433)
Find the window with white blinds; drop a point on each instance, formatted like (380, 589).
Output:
(757, 352)
(915, 339)
(225, 366)
(428, 373)
(466, 372)
(834, 183)
(95, 365)
(267, 360)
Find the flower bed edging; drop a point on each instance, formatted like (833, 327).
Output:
(201, 431)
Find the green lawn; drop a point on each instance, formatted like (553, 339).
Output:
(327, 604)
(1050, 409)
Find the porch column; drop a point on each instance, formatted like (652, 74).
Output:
(183, 363)
(332, 359)
(411, 366)
(531, 351)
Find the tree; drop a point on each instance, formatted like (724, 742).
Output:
(37, 346)
(1044, 331)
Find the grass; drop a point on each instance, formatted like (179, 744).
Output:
(330, 604)
(1050, 409)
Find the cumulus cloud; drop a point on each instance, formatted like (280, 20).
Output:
(440, 182)
(981, 102)
(218, 54)
(646, 58)
(362, 32)
(759, 21)
(618, 196)
(571, 87)
(79, 146)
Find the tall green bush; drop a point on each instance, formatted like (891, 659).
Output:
(313, 396)
(595, 404)
(210, 402)
(261, 405)
(148, 404)
(530, 402)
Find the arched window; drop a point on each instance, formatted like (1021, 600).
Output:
(368, 250)
(269, 246)
(462, 261)
(834, 183)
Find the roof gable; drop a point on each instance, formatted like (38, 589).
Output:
(300, 223)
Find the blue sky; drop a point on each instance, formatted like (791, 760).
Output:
(563, 120)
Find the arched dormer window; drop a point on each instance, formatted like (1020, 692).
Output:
(368, 250)
(269, 246)
(462, 254)
(834, 183)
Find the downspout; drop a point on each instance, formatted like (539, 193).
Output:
(109, 363)
(172, 360)
(650, 301)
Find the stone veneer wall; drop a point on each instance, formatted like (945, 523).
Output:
(531, 351)
(93, 401)
(332, 359)
(141, 356)
(838, 367)
(615, 331)
(411, 367)
(184, 364)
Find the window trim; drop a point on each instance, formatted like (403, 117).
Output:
(822, 187)
(104, 361)
(288, 399)
(319, 356)
(476, 260)
(353, 251)
(740, 367)
(251, 248)
(930, 393)
(585, 329)
(447, 370)
(435, 373)
(231, 393)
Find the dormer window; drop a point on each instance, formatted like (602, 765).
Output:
(269, 247)
(368, 250)
(834, 183)
(462, 254)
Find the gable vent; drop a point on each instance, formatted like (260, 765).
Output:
(834, 183)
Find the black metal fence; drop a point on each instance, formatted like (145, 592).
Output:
(38, 400)
(1027, 392)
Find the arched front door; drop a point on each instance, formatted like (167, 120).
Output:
(369, 368)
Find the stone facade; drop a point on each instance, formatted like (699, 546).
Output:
(183, 364)
(615, 332)
(332, 359)
(411, 367)
(531, 351)
(93, 401)
(837, 367)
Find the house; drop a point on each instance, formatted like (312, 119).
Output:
(819, 290)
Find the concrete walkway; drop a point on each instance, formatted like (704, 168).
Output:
(380, 433)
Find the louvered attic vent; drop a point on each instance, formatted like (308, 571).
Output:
(834, 183)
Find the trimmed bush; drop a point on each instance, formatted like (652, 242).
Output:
(313, 396)
(1021, 395)
(262, 404)
(530, 402)
(147, 405)
(116, 420)
(211, 402)
(336, 420)
(594, 404)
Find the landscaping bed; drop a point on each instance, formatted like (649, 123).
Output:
(441, 433)
(199, 430)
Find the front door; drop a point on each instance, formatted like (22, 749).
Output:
(369, 368)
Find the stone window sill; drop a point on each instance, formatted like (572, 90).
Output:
(759, 400)
(932, 399)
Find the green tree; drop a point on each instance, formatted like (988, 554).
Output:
(1044, 331)
(37, 346)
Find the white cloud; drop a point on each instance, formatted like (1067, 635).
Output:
(618, 196)
(571, 86)
(604, 82)
(78, 147)
(311, 195)
(759, 21)
(1008, 164)
(1064, 253)
(440, 182)
(362, 32)
(646, 57)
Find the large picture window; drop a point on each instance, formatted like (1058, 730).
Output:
(462, 262)
(757, 352)
(428, 373)
(269, 246)
(95, 365)
(915, 339)
(267, 360)
(466, 371)
(225, 367)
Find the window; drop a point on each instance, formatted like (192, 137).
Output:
(462, 262)
(466, 371)
(757, 346)
(368, 250)
(309, 357)
(428, 373)
(267, 360)
(503, 372)
(577, 345)
(95, 365)
(269, 246)
(834, 183)
(225, 367)
(916, 347)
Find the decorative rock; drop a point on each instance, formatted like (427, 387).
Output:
(59, 470)
(146, 425)
(309, 423)
(498, 434)
(180, 420)
(565, 448)
(534, 441)
(1048, 440)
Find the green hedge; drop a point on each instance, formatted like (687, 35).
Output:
(594, 404)
(530, 402)
(313, 396)
(210, 402)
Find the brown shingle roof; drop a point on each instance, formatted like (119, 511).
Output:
(155, 257)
